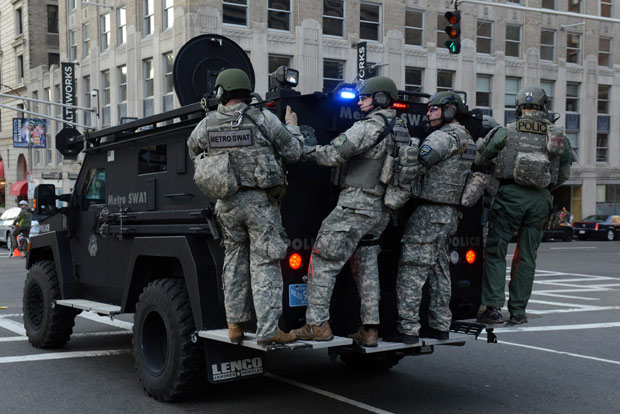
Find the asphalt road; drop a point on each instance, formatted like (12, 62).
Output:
(565, 360)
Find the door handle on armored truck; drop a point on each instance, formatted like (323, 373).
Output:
(173, 195)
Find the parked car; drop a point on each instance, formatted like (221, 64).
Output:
(6, 225)
(598, 226)
(561, 232)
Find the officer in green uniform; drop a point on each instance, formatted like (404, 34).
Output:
(531, 156)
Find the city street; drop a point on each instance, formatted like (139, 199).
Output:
(565, 360)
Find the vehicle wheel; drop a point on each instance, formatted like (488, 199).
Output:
(9, 243)
(46, 327)
(381, 361)
(170, 366)
(568, 238)
(611, 234)
(582, 237)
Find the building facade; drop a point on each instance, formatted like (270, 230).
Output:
(124, 52)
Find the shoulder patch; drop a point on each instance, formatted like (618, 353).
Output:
(424, 150)
(339, 141)
(531, 126)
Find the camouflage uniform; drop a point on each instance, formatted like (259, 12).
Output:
(425, 240)
(520, 208)
(251, 222)
(352, 229)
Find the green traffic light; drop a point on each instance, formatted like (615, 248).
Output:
(453, 47)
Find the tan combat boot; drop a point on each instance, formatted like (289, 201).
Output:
(366, 337)
(321, 332)
(280, 338)
(235, 332)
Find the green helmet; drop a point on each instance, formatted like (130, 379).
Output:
(448, 97)
(233, 79)
(379, 84)
(532, 97)
(488, 122)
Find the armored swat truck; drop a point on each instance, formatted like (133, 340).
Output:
(138, 236)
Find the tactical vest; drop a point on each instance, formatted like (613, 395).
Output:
(526, 157)
(251, 155)
(368, 170)
(444, 182)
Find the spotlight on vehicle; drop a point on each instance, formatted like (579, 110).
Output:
(283, 77)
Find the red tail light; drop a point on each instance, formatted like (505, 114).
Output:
(596, 227)
(470, 256)
(271, 104)
(400, 105)
(294, 261)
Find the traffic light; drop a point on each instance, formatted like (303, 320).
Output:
(453, 29)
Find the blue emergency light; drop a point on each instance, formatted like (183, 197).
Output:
(344, 94)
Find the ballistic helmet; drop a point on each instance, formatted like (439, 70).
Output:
(379, 84)
(532, 97)
(448, 98)
(233, 79)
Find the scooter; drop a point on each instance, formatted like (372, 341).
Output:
(22, 246)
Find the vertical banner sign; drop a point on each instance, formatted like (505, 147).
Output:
(68, 91)
(361, 61)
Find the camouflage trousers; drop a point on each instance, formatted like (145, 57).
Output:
(346, 234)
(425, 257)
(253, 247)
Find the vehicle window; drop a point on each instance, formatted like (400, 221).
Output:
(595, 218)
(94, 188)
(152, 159)
(10, 214)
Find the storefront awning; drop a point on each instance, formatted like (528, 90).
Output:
(19, 188)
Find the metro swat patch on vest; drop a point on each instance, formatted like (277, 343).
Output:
(531, 126)
(228, 139)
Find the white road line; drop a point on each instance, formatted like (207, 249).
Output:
(546, 302)
(328, 394)
(10, 315)
(572, 248)
(75, 335)
(588, 309)
(609, 361)
(11, 325)
(106, 320)
(556, 295)
(63, 355)
(559, 327)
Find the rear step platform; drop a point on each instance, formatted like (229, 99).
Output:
(455, 339)
(250, 341)
(89, 305)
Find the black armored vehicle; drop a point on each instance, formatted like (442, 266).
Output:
(137, 236)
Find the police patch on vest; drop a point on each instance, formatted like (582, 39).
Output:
(339, 141)
(231, 138)
(424, 150)
(531, 126)
(401, 134)
(470, 152)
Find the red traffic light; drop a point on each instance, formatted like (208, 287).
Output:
(453, 17)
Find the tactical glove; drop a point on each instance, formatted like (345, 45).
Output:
(290, 118)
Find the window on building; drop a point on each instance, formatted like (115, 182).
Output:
(19, 21)
(148, 17)
(602, 124)
(514, 1)
(168, 86)
(279, 14)
(52, 19)
(547, 45)
(574, 6)
(148, 73)
(603, 99)
(445, 80)
(604, 51)
(602, 147)
(549, 88)
(104, 31)
(167, 14)
(370, 21)
(235, 12)
(513, 40)
(121, 24)
(548, 4)
(53, 59)
(35, 105)
(414, 27)
(606, 7)
(37, 157)
(573, 120)
(57, 112)
(122, 92)
(71, 5)
(85, 41)
(333, 17)
(483, 93)
(72, 45)
(413, 79)
(512, 87)
(105, 98)
(333, 73)
(47, 92)
(86, 93)
(442, 36)
(484, 37)
(573, 46)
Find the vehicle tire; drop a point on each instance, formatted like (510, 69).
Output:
(9, 243)
(568, 238)
(46, 326)
(581, 237)
(611, 235)
(378, 362)
(170, 366)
